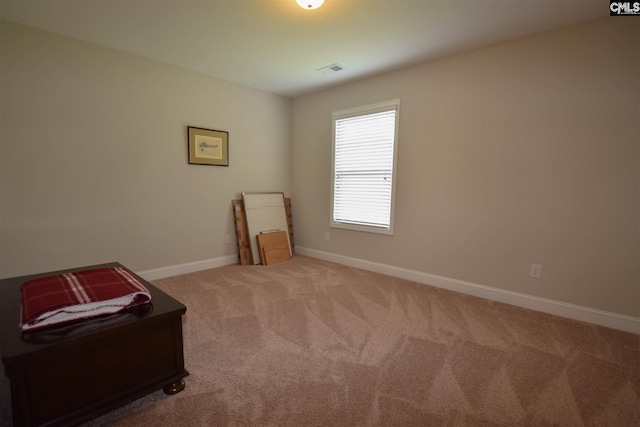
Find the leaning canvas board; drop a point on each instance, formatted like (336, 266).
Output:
(265, 213)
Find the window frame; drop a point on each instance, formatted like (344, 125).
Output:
(379, 107)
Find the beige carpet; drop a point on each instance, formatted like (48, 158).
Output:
(312, 343)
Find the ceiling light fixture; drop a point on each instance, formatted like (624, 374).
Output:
(310, 4)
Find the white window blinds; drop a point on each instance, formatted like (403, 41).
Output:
(364, 148)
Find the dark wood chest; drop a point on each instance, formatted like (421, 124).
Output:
(69, 374)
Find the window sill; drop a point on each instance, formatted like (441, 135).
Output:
(363, 228)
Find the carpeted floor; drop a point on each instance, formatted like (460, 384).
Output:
(312, 343)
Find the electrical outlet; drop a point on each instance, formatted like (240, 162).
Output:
(228, 239)
(536, 271)
(326, 235)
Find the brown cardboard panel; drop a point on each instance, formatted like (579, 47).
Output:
(273, 247)
(244, 252)
(287, 209)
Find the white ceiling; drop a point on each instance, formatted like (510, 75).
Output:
(276, 46)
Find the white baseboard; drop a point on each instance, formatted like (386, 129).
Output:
(190, 267)
(558, 308)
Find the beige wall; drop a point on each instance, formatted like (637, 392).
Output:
(93, 164)
(525, 152)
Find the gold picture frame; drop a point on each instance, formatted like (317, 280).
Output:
(208, 146)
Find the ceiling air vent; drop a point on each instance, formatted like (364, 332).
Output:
(331, 69)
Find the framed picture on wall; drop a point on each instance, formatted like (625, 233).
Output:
(208, 146)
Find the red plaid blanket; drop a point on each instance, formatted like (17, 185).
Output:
(79, 295)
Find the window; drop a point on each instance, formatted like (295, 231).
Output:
(363, 176)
